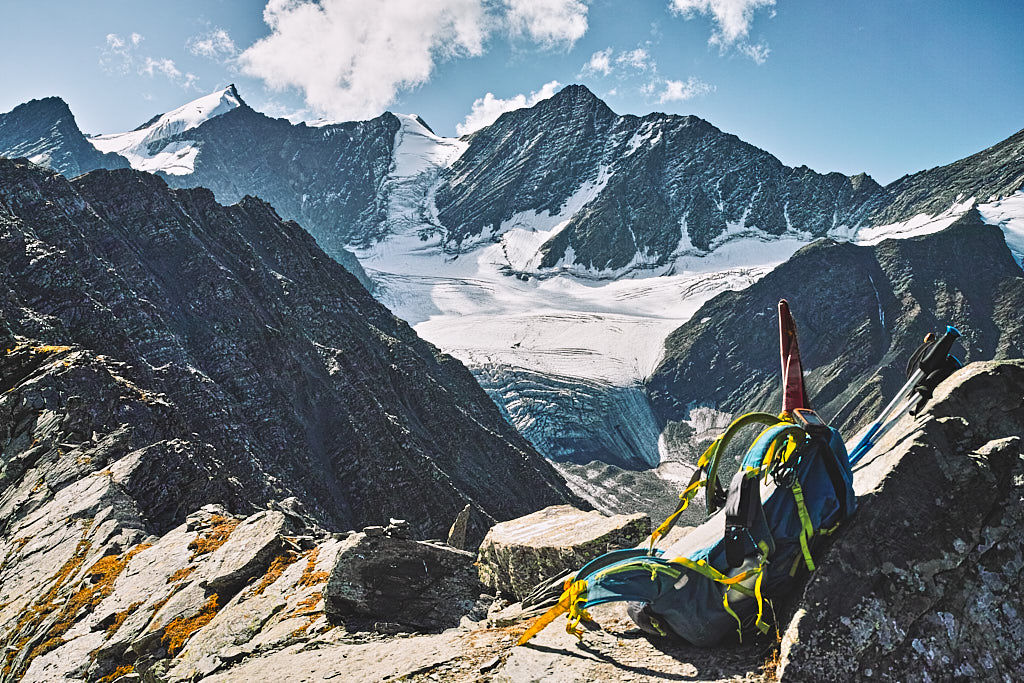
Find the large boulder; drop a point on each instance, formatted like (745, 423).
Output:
(425, 585)
(924, 583)
(519, 554)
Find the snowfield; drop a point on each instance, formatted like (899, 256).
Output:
(146, 149)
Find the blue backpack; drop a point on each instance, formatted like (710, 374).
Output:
(793, 486)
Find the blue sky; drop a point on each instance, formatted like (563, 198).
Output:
(883, 86)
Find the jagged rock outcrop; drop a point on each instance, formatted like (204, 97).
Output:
(517, 555)
(860, 311)
(417, 584)
(270, 368)
(923, 583)
(45, 132)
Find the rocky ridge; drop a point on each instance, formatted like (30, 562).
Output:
(265, 370)
(637, 192)
(45, 132)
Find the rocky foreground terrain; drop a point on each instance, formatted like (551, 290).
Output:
(915, 587)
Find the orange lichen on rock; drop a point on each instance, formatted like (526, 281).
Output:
(310, 576)
(306, 608)
(120, 617)
(214, 537)
(277, 567)
(308, 605)
(98, 585)
(117, 673)
(36, 613)
(180, 575)
(49, 348)
(181, 629)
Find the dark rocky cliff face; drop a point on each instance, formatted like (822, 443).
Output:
(327, 178)
(859, 310)
(668, 179)
(276, 370)
(45, 132)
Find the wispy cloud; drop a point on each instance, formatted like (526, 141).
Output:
(759, 53)
(599, 63)
(732, 19)
(215, 44)
(548, 22)
(488, 108)
(679, 91)
(121, 55)
(639, 59)
(166, 67)
(605, 62)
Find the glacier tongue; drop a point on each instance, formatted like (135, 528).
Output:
(149, 148)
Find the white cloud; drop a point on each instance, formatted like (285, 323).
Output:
(678, 91)
(167, 67)
(549, 22)
(759, 53)
(350, 58)
(488, 108)
(599, 63)
(638, 59)
(121, 56)
(215, 44)
(733, 17)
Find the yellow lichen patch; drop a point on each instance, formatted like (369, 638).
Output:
(277, 567)
(306, 608)
(214, 537)
(20, 543)
(36, 613)
(301, 630)
(181, 629)
(98, 585)
(49, 348)
(44, 647)
(120, 617)
(180, 575)
(310, 576)
(119, 672)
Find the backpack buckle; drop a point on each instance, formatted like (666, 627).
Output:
(785, 476)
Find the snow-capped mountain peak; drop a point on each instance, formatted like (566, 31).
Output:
(150, 147)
